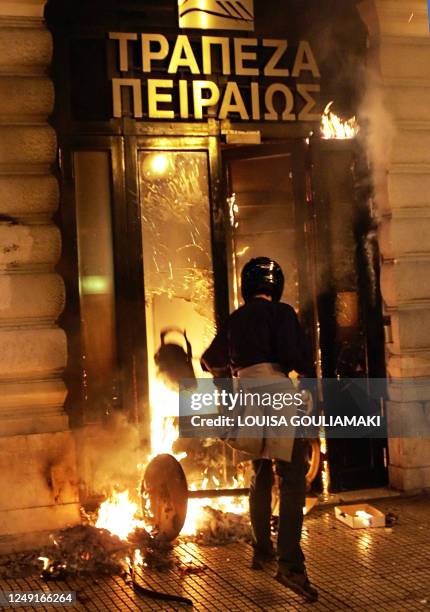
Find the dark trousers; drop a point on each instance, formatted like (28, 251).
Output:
(292, 476)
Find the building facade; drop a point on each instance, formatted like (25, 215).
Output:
(128, 201)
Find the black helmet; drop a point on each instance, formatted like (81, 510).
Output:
(262, 275)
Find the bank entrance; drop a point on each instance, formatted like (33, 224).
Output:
(158, 230)
(166, 196)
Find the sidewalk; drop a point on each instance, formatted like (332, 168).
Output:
(375, 570)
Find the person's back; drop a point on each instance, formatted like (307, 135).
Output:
(264, 331)
(264, 339)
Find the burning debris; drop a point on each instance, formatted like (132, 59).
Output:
(217, 528)
(119, 515)
(77, 551)
(127, 531)
(83, 550)
(333, 127)
(117, 539)
(87, 550)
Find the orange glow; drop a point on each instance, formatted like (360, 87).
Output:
(332, 126)
(164, 412)
(325, 475)
(196, 514)
(138, 558)
(159, 164)
(46, 562)
(119, 515)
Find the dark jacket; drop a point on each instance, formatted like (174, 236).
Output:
(261, 331)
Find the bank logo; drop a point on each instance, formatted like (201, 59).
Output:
(216, 14)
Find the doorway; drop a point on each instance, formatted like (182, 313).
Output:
(181, 216)
(270, 216)
(298, 206)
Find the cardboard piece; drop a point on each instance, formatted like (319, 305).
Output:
(360, 516)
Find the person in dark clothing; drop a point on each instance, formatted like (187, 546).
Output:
(263, 339)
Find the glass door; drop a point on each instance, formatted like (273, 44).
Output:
(177, 251)
(178, 271)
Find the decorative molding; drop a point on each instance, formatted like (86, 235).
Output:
(422, 352)
(32, 169)
(398, 39)
(398, 7)
(409, 169)
(407, 213)
(423, 304)
(413, 126)
(415, 257)
(22, 8)
(401, 82)
(26, 269)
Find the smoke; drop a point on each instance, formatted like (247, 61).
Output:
(111, 454)
(379, 130)
(379, 133)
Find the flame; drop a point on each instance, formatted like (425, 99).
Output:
(196, 512)
(46, 562)
(234, 210)
(325, 474)
(363, 514)
(332, 126)
(243, 251)
(119, 515)
(164, 411)
(197, 516)
(138, 558)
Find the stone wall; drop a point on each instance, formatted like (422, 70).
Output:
(38, 481)
(400, 74)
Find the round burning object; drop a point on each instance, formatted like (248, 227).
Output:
(165, 484)
(175, 365)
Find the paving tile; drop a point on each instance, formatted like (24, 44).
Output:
(362, 570)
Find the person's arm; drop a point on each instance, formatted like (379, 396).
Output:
(295, 354)
(216, 359)
(293, 350)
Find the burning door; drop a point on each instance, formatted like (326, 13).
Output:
(349, 300)
(178, 266)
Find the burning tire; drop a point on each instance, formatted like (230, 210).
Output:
(165, 484)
